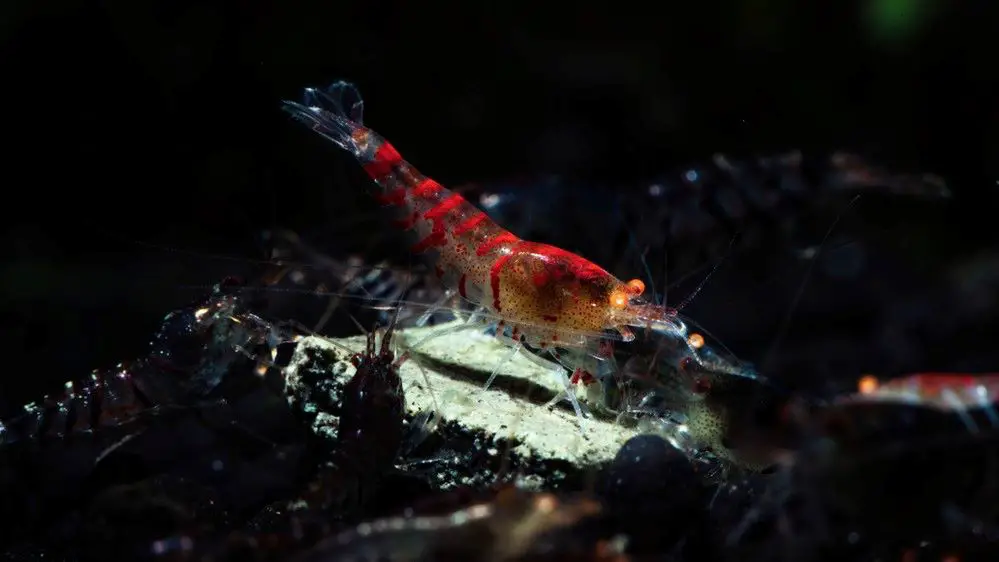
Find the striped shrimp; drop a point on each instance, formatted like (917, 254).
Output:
(907, 462)
(543, 294)
(951, 392)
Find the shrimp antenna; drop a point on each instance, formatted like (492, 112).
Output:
(398, 306)
(785, 324)
(633, 245)
(357, 324)
(426, 378)
(665, 276)
(689, 298)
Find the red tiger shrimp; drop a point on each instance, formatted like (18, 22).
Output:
(946, 391)
(545, 295)
(952, 388)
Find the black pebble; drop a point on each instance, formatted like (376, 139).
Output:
(653, 493)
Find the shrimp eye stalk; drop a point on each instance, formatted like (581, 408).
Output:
(636, 287)
(619, 299)
(695, 341)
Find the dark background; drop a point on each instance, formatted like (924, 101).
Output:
(137, 126)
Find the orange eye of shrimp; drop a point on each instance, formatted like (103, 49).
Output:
(696, 341)
(868, 384)
(619, 299)
(636, 286)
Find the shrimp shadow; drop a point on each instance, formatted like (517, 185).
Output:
(516, 387)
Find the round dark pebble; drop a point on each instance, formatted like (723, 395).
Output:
(652, 492)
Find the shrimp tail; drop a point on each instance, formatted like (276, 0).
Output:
(336, 113)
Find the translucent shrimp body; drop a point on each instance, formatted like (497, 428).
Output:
(544, 294)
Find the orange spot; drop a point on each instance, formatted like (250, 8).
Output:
(636, 286)
(696, 341)
(867, 384)
(619, 299)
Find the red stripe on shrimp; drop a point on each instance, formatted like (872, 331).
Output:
(435, 239)
(436, 214)
(438, 211)
(494, 277)
(384, 163)
(470, 224)
(427, 189)
(496, 241)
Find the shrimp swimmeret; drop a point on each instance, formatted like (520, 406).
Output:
(544, 295)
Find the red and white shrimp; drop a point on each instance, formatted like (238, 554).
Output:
(545, 295)
(854, 460)
(955, 392)
(930, 387)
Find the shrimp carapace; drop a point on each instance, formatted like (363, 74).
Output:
(544, 294)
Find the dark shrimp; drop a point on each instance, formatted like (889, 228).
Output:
(193, 350)
(56, 454)
(370, 433)
(371, 430)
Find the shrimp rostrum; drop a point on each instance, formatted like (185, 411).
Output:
(544, 295)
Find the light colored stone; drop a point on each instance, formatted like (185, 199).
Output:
(457, 364)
